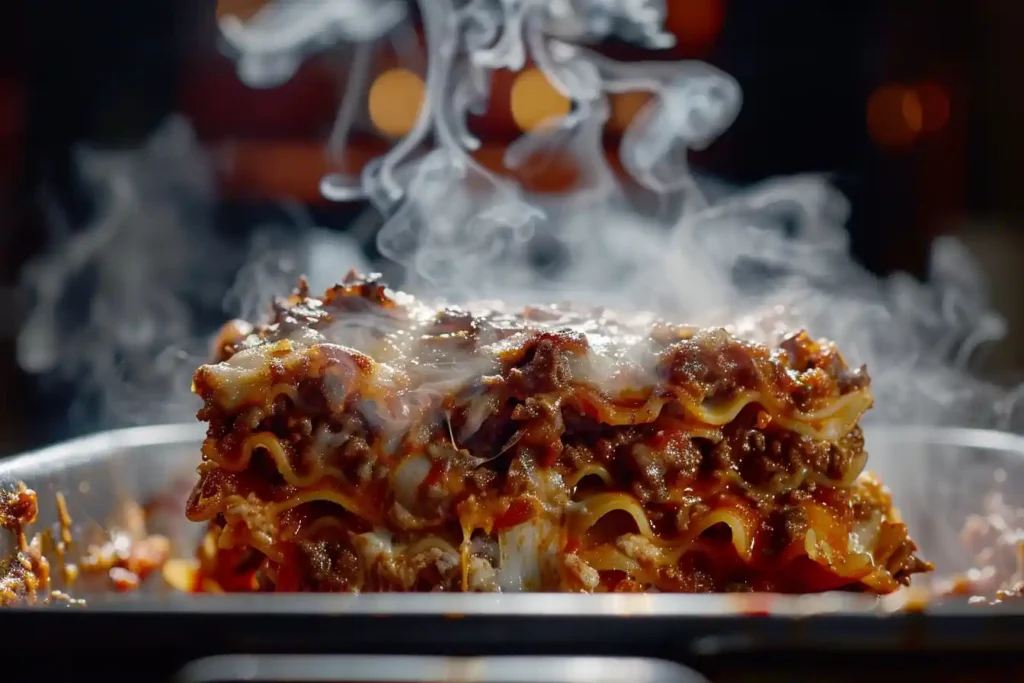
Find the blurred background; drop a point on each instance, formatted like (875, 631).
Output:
(912, 108)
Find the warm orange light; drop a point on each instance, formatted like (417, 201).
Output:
(624, 108)
(913, 113)
(696, 23)
(395, 100)
(241, 9)
(294, 169)
(934, 106)
(534, 100)
(894, 115)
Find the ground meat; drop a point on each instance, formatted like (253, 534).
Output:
(713, 361)
(765, 456)
(786, 526)
(541, 427)
(18, 508)
(650, 484)
(659, 461)
(545, 367)
(452, 320)
(333, 566)
(904, 563)
(804, 354)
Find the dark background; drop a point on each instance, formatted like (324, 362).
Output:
(107, 73)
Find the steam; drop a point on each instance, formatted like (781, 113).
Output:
(136, 259)
(122, 307)
(775, 255)
(770, 256)
(268, 44)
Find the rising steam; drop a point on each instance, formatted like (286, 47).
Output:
(133, 331)
(123, 306)
(772, 255)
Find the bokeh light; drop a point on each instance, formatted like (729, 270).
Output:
(534, 100)
(894, 115)
(913, 112)
(898, 114)
(395, 100)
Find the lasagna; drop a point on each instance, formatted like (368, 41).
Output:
(366, 441)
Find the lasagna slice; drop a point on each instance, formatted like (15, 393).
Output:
(364, 441)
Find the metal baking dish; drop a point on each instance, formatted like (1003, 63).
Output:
(938, 476)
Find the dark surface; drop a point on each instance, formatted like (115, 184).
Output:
(727, 648)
